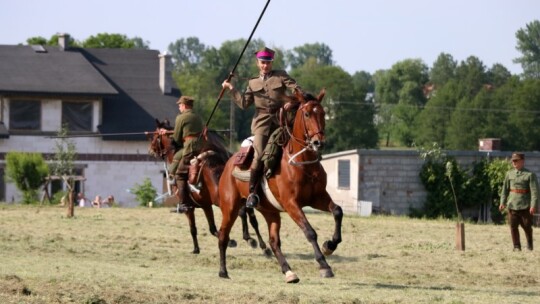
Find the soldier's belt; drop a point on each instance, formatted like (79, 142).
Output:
(190, 137)
(520, 191)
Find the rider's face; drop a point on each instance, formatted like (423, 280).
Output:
(264, 66)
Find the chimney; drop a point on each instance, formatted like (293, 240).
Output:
(165, 77)
(63, 41)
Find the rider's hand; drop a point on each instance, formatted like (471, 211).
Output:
(227, 84)
(532, 210)
(162, 131)
(501, 207)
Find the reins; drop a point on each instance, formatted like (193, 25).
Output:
(305, 143)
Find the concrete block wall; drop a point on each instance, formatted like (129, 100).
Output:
(390, 178)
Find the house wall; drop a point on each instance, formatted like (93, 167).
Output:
(390, 179)
(110, 167)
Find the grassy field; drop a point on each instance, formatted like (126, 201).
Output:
(141, 255)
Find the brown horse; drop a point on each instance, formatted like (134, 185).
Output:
(299, 181)
(212, 160)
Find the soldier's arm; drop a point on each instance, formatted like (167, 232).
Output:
(504, 192)
(534, 192)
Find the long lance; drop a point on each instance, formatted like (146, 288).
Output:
(237, 62)
(119, 134)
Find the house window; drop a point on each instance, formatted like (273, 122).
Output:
(77, 116)
(344, 174)
(25, 115)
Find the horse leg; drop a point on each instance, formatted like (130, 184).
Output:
(274, 225)
(245, 228)
(300, 219)
(190, 214)
(330, 246)
(209, 213)
(223, 240)
(255, 224)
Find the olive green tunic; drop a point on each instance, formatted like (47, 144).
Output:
(187, 128)
(519, 190)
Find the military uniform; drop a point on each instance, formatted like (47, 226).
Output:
(266, 93)
(519, 194)
(188, 127)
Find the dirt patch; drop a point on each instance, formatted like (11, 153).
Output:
(12, 284)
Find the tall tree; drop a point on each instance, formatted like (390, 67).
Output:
(187, 53)
(528, 43)
(299, 55)
(498, 75)
(114, 41)
(350, 119)
(443, 70)
(400, 96)
(525, 115)
(432, 123)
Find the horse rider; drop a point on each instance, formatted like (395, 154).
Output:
(188, 142)
(265, 91)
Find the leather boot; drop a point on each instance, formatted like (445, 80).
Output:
(252, 200)
(182, 188)
(515, 239)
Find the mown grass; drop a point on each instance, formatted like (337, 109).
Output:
(142, 255)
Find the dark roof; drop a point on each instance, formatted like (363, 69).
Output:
(22, 69)
(126, 79)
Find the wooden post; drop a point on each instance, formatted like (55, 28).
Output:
(460, 236)
(71, 210)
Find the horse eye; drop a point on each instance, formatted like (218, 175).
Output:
(306, 114)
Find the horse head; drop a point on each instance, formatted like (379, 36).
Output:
(160, 144)
(309, 122)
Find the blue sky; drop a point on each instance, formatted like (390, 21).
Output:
(363, 35)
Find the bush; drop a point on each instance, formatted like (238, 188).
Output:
(27, 171)
(145, 192)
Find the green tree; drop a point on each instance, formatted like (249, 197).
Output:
(63, 164)
(528, 43)
(106, 40)
(320, 52)
(431, 125)
(525, 116)
(399, 92)
(27, 171)
(144, 192)
(53, 41)
(443, 70)
(187, 54)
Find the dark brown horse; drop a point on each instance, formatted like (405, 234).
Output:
(211, 160)
(299, 181)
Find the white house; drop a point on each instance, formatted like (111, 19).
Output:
(107, 97)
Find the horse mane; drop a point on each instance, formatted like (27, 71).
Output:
(216, 143)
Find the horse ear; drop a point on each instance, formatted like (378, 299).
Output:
(299, 95)
(321, 94)
(157, 123)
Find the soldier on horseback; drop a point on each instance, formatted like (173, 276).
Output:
(188, 143)
(265, 91)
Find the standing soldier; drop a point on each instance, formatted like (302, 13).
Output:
(520, 195)
(266, 91)
(187, 140)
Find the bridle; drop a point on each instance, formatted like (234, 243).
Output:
(312, 140)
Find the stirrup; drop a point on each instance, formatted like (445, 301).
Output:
(252, 200)
(181, 208)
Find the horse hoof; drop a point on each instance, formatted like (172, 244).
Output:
(326, 273)
(223, 275)
(252, 243)
(232, 244)
(291, 277)
(196, 251)
(325, 250)
(267, 253)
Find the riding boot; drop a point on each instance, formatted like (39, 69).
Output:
(252, 200)
(182, 192)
